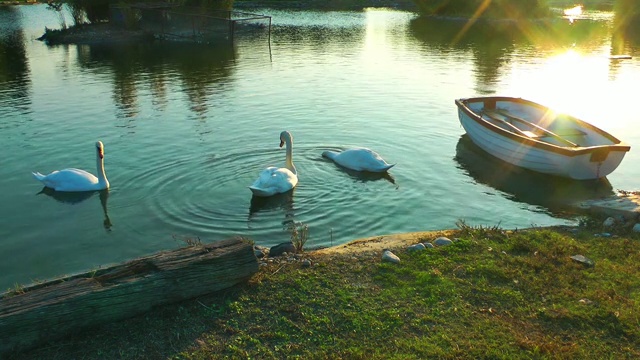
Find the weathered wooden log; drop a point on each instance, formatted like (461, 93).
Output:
(51, 310)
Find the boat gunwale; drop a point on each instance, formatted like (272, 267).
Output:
(543, 145)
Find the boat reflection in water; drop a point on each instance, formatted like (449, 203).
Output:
(74, 198)
(557, 194)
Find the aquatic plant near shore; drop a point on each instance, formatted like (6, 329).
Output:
(299, 235)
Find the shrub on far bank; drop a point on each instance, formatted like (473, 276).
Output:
(501, 9)
(627, 13)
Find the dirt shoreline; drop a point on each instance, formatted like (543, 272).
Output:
(381, 242)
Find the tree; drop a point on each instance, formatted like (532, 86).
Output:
(512, 9)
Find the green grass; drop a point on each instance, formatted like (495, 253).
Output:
(492, 294)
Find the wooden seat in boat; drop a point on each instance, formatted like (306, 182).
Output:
(505, 117)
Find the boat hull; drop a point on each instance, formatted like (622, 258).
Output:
(600, 156)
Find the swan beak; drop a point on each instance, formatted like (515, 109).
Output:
(101, 153)
(281, 143)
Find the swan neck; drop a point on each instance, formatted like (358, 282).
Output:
(289, 161)
(102, 177)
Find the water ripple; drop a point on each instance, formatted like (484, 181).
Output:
(208, 195)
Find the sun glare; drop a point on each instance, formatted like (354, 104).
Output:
(573, 12)
(573, 73)
(565, 81)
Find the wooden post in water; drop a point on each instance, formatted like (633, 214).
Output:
(51, 310)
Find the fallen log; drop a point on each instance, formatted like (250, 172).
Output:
(51, 310)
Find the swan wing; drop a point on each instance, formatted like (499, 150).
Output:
(362, 159)
(69, 180)
(273, 181)
(265, 176)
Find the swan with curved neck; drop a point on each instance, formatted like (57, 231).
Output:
(359, 159)
(76, 179)
(273, 180)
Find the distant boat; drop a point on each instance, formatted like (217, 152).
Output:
(532, 136)
(620, 57)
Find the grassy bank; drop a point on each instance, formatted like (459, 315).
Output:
(492, 294)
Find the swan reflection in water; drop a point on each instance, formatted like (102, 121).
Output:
(282, 201)
(365, 176)
(278, 202)
(78, 197)
(556, 194)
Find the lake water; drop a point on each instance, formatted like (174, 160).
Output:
(187, 128)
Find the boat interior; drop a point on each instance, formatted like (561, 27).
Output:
(531, 130)
(541, 124)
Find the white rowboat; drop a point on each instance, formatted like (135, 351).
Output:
(532, 136)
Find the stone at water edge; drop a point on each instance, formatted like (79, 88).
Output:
(442, 241)
(609, 222)
(416, 247)
(388, 256)
(281, 249)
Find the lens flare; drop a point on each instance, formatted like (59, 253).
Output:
(573, 13)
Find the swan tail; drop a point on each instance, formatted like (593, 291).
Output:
(38, 176)
(259, 192)
(330, 154)
(386, 167)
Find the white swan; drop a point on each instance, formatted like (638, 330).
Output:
(273, 180)
(359, 159)
(76, 179)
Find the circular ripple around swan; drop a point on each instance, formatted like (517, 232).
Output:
(345, 204)
(208, 196)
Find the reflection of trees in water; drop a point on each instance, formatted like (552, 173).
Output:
(626, 27)
(494, 43)
(627, 19)
(125, 93)
(625, 38)
(199, 68)
(14, 67)
(326, 39)
(197, 65)
(490, 45)
(158, 87)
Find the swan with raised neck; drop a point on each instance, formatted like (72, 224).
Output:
(274, 180)
(72, 179)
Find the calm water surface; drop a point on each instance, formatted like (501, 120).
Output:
(187, 128)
